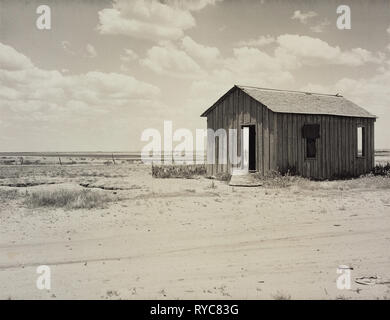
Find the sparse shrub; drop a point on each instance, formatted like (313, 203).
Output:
(178, 171)
(9, 194)
(289, 171)
(69, 199)
(277, 180)
(381, 170)
(223, 176)
(342, 176)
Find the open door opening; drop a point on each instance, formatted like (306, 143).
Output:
(249, 148)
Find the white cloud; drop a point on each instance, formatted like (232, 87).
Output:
(320, 27)
(91, 51)
(27, 91)
(247, 66)
(149, 19)
(307, 50)
(371, 93)
(183, 61)
(11, 60)
(248, 59)
(259, 42)
(303, 17)
(208, 55)
(166, 59)
(253, 66)
(128, 56)
(192, 5)
(290, 53)
(388, 30)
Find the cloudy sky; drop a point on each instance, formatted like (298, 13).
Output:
(107, 70)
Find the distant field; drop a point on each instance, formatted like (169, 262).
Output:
(66, 158)
(43, 158)
(25, 158)
(382, 156)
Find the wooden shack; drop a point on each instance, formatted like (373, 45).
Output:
(315, 135)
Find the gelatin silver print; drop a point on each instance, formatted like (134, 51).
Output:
(194, 150)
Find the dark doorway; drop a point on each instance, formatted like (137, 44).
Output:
(251, 146)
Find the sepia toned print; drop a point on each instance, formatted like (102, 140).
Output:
(200, 149)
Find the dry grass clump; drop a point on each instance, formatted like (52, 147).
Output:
(369, 181)
(178, 171)
(277, 180)
(8, 194)
(223, 176)
(366, 182)
(69, 199)
(382, 170)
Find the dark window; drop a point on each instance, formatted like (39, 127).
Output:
(311, 132)
(311, 150)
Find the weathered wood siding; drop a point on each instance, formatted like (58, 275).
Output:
(280, 145)
(336, 147)
(238, 109)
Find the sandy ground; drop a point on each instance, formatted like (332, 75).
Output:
(193, 238)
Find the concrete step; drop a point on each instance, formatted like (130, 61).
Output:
(245, 180)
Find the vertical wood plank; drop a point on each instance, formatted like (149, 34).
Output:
(289, 140)
(322, 148)
(300, 158)
(317, 163)
(327, 147)
(271, 137)
(354, 142)
(285, 142)
(266, 141)
(366, 143)
(332, 150)
(350, 148)
(280, 141)
(275, 143)
(372, 143)
(247, 115)
(344, 142)
(294, 141)
(212, 116)
(346, 138)
(239, 119)
(260, 139)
